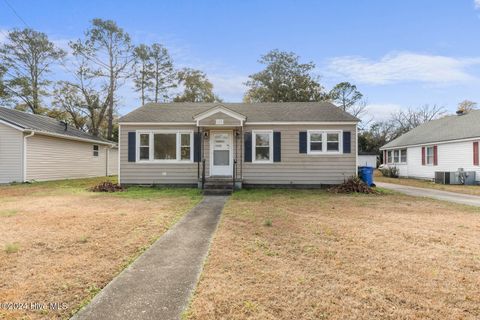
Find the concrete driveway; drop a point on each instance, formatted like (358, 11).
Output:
(432, 193)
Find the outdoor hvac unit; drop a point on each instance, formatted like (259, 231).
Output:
(455, 177)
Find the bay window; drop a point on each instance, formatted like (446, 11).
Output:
(165, 146)
(324, 142)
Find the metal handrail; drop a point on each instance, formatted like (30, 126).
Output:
(234, 173)
(203, 173)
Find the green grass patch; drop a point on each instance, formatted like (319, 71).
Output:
(8, 213)
(12, 248)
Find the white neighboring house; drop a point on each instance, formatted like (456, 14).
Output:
(447, 144)
(35, 147)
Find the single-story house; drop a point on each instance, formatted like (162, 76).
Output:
(270, 144)
(444, 145)
(38, 148)
(368, 159)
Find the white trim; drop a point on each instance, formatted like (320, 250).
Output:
(118, 155)
(270, 146)
(31, 134)
(11, 125)
(219, 108)
(430, 143)
(57, 135)
(356, 147)
(151, 150)
(301, 123)
(157, 124)
(432, 147)
(324, 151)
(230, 135)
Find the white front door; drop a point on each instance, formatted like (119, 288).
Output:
(221, 153)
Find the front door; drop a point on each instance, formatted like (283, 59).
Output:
(221, 153)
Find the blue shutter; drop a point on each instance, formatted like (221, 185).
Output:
(248, 146)
(302, 139)
(347, 142)
(197, 146)
(131, 146)
(277, 147)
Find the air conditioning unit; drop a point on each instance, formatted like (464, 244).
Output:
(455, 177)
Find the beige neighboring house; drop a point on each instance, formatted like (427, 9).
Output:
(261, 144)
(40, 148)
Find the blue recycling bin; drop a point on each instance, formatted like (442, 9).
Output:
(366, 174)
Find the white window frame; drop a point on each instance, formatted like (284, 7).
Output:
(324, 142)
(406, 156)
(390, 156)
(97, 151)
(254, 146)
(433, 156)
(151, 150)
(396, 156)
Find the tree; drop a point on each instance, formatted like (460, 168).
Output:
(196, 86)
(406, 120)
(4, 96)
(26, 58)
(143, 73)
(284, 79)
(348, 98)
(163, 72)
(85, 100)
(109, 51)
(467, 105)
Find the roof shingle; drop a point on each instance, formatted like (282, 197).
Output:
(255, 112)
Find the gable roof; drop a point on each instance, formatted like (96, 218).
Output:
(254, 112)
(448, 128)
(46, 125)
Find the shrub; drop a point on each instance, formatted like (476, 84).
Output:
(107, 186)
(12, 248)
(390, 172)
(353, 185)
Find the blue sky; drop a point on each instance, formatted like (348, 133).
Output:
(399, 53)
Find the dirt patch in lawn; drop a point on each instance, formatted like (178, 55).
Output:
(60, 243)
(313, 255)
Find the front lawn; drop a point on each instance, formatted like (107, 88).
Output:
(285, 254)
(472, 190)
(60, 243)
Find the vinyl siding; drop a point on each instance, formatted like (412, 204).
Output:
(112, 162)
(300, 168)
(451, 157)
(295, 168)
(153, 173)
(227, 120)
(50, 158)
(11, 154)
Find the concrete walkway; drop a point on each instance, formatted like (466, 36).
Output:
(432, 193)
(159, 283)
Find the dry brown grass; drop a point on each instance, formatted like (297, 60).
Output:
(472, 190)
(72, 242)
(325, 256)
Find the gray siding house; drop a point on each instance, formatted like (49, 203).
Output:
(269, 144)
(39, 148)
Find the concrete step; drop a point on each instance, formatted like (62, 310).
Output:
(217, 185)
(217, 192)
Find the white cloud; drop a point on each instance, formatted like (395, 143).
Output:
(403, 67)
(381, 111)
(477, 4)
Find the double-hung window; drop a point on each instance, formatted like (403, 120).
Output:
(165, 146)
(324, 142)
(403, 156)
(390, 156)
(95, 150)
(430, 155)
(396, 156)
(263, 146)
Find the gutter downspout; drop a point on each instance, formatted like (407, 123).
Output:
(32, 133)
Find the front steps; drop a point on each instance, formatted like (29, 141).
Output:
(218, 187)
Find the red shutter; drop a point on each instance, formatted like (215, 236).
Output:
(423, 156)
(435, 155)
(475, 153)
